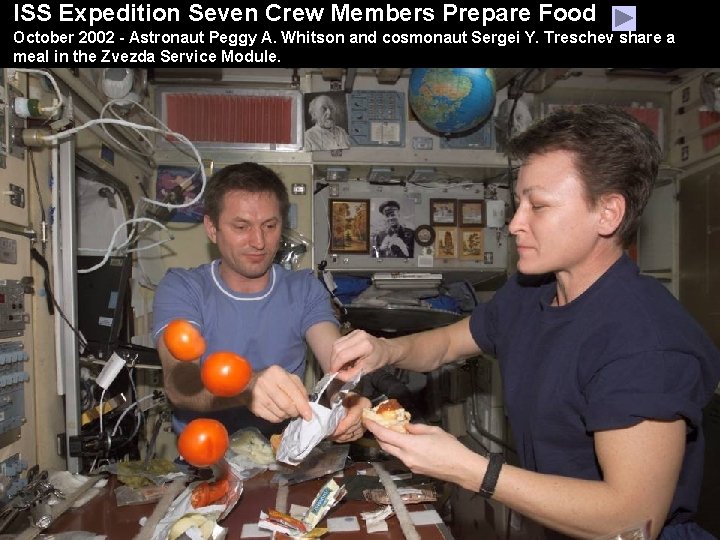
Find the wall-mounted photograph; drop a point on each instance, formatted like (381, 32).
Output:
(179, 185)
(443, 212)
(425, 235)
(513, 117)
(472, 213)
(472, 244)
(350, 225)
(392, 226)
(446, 243)
(326, 114)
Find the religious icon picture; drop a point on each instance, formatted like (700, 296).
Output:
(472, 213)
(425, 235)
(443, 212)
(472, 244)
(350, 225)
(446, 243)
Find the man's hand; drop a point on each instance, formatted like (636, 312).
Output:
(355, 351)
(276, 395)
(351, 428)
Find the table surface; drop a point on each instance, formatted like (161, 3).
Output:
(101, 514)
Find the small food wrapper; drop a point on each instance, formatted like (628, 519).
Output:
(181, 519)
(306, 527)
(375, 521)
(250, 453)
(301, 436)
(328, 496)
(409, 495)
(202, 522)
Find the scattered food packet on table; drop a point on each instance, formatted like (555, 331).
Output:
(202, 524)
(409, 495)
(210, 492)
(229, 487)
(198, 526)
(378, 515)
(135, 474)
(326, 458)
(328, 496)
(126, 495)
(250, 453)
(272, 520)
(301, 436)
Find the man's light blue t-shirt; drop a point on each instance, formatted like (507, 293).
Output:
(267, 327)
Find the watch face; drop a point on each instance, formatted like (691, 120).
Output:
(425, 235)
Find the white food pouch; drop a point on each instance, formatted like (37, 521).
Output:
(301, 436)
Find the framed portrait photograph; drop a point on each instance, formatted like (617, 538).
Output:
(326, 121)
(443, 212)
(350, 223)
(472, 213)
(446, 243)
(392, 227)
(472, 244)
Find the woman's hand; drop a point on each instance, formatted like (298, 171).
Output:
(427, 450)
(357, 351)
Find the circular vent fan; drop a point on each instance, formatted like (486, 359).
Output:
(124, 84)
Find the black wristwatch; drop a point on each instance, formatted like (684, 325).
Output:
(495, 463)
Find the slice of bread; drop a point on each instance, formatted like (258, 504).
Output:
(390, 414)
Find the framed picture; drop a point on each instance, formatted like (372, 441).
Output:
(443, 212)
(392, 227)
(472, 244)
(425, 235)
(326, 121)
(180, 185)
(472, 213)
(446, 243)
(350, 224)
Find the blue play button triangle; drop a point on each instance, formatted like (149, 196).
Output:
(624, 18)
(621, 17)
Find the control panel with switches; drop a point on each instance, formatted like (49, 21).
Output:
(12, 391)
(12, 306)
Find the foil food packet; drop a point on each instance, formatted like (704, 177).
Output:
(301, 436)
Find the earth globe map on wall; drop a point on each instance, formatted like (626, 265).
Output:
(451, 100)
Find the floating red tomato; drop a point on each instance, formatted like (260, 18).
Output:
(225, 373)
(203, 442)
(184, 340)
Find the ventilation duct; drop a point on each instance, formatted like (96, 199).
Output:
(234, 118)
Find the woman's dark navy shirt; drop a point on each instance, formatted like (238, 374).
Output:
(623, 351)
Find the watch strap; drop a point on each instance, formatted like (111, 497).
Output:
(495, 463)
